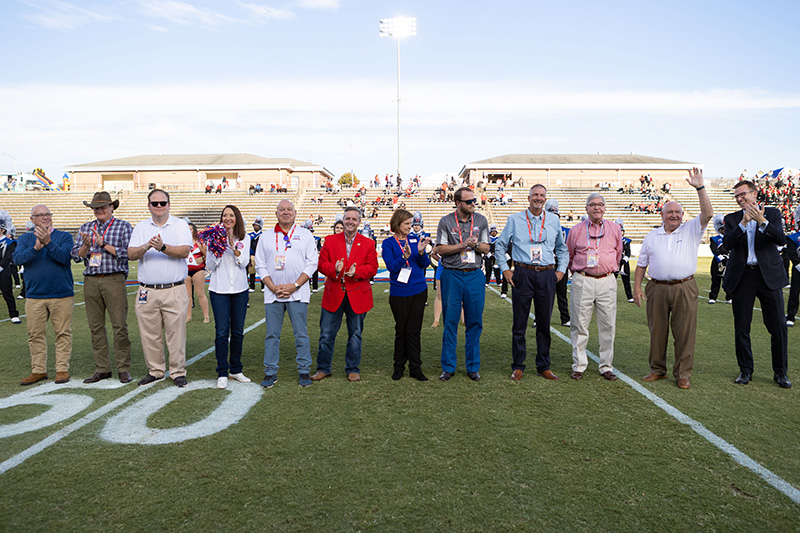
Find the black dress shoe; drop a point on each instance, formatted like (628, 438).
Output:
(97, 376)
(419, 376)
(398, 374)
(743, 379)
(782, 381)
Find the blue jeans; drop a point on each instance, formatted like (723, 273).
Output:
(229, 314)
(467, 289)
(329, 324)
(298, 316)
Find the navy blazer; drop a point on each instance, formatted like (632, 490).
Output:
(766, 244)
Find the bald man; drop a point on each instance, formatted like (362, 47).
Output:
(670, 254)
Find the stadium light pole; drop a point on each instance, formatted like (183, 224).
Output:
(398, 27)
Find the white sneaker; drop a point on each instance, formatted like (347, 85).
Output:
(251, 290)
(241, 378)
(503, 296)
(20, 297)
(789, 323)
(19, 287)
(222, 383)
(15, 320)
(630, 300)
(712, 301)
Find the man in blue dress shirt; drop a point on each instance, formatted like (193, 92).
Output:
(538, 244)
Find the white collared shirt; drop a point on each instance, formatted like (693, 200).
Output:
(672, 256)
(229, 273)
(156, 267)
(301, 257)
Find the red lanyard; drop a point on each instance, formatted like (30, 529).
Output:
(596, 239)
(284, 245)
(402, 250)
(528, 220)
(460, 236)
(94, 239)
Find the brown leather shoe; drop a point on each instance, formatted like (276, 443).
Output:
(577, 375)
(684, 384)
(609, 375)
(652, 376)
(516, 375)
(548, 375)
(353, 376)
(319, 376)
(62, 377)
(125, 377)
(33, 378)
(97, 376)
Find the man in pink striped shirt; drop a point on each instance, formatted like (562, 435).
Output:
(595, 251)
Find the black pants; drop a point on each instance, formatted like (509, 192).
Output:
(625, 273)
(490, 265)
(315, 280)
(537, 287)
(794, 296)
(561, 298)
(752, 285)
(408, 312)
(253, 281)
(716, 281)
(8, 293)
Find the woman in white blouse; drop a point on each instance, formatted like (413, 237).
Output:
(229, 294)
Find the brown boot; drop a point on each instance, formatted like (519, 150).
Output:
(62, 377)
(33, 378)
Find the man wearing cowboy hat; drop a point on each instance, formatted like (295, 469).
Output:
(102, 246)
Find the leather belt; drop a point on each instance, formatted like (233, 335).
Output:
(752, 267)
(162, 285)
(596, 276)
(537, 268)
(462, 269)
(102, 275)
(672, 282)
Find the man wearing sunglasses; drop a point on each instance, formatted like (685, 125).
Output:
(462, 239)
(537, 246)
(595, 252)
(44, 252)
(162, 244)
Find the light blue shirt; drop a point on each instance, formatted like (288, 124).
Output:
(517, 234)
(750, 230)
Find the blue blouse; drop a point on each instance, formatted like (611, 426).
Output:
(392, 254)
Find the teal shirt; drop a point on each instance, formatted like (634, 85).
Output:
(516, 233)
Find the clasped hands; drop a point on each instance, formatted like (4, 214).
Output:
(339, 266)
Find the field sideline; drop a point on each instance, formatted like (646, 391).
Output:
(382, 455)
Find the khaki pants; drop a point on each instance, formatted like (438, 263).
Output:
(589, 295)
(163, 317)
(59, 312)
(672, 307)
(108, 294)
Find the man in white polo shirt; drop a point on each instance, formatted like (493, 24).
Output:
(162, 244)
(670, 253)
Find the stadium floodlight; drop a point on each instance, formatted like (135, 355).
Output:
(398, 27)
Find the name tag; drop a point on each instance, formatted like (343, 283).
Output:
(142, 296)
(280, 262)
(536, 253)
(95, 259)
(592, 259)
(468, 256)
(404, 275)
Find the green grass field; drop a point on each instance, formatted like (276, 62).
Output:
(382, 455)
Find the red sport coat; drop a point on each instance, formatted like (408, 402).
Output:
(359, 291)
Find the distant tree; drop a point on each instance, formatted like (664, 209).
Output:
(348, 180)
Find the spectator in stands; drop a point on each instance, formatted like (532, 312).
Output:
(49, 293)
(229, 296)
(196, 277)
(286, 258)
(102, 246)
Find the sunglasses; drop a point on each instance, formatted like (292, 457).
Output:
(470, 202)
(287, 243)
(159, 204)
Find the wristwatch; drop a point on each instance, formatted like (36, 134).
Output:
(163, 248)
(296, 285)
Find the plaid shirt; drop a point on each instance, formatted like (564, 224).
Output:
(117, 233)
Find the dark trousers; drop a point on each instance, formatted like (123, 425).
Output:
(8, 293)
(315, 280)
(253, 281)
(539, 288)
(408, 312)
(752, 285)
(716, 281)
(489, 266)
(230, 311)
(794, 296)
(625, 273)
(561, 298)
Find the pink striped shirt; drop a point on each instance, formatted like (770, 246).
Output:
(605, 239)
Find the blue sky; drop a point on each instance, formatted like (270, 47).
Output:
(710, 82)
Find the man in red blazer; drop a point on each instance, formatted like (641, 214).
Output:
(348, 261)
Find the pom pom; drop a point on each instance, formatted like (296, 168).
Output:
(215, 238)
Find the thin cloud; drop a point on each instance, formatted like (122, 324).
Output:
(184, 13)
(260, 14)
(60, 15)
(318, 4)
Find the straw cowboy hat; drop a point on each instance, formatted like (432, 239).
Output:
(100, 199)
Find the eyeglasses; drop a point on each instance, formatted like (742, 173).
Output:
(42, 215)
(602, 233)
(287, 243)
(737, 196)
(596, 205)
(159, 204)
(470, 202)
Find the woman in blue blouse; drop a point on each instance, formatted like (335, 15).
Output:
(406, 261)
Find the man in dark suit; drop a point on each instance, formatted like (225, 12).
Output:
(755, 269)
